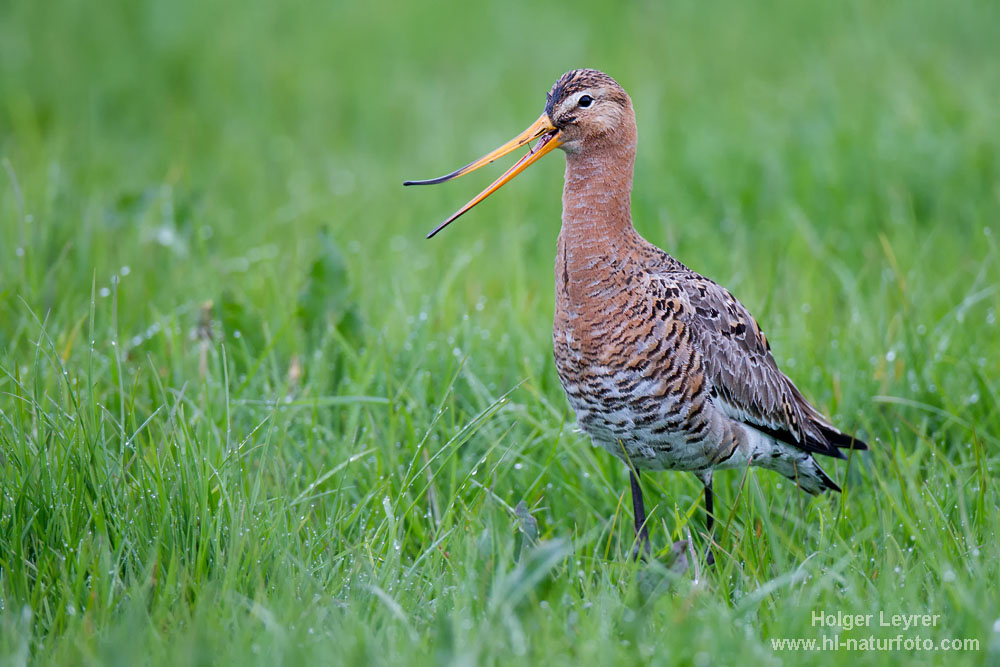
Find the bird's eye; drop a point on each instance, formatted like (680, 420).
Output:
(585, 101)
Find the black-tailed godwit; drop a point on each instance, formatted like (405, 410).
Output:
(664, 368)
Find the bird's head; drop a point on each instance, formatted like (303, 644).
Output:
(588, 108)
(585, 111)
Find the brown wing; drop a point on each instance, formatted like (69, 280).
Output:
(745, 380)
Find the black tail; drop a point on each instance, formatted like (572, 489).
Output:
(830, 443)
(842, 441)
(827, 482)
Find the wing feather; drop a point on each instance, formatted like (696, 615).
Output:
(745, 379)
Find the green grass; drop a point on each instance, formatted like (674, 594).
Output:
(247, 414)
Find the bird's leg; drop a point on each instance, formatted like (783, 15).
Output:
(639, 512)
(709, 521)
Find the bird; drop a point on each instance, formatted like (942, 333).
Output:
(664, 368)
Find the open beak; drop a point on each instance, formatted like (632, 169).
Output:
(550, 139)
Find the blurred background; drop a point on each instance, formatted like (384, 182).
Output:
(203, 231)
(206, 144)
(835, 166)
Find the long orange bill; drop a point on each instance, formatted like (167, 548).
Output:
(550, 139)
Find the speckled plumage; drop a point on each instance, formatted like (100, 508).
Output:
(664, 368)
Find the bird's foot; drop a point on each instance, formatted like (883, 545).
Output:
(641, 548)
(677, 558)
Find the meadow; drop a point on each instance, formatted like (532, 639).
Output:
(248, 415)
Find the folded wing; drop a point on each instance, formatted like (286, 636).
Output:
(745, 380)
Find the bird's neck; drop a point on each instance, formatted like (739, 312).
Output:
(597, 216)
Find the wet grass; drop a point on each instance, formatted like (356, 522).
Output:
(248, 415)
